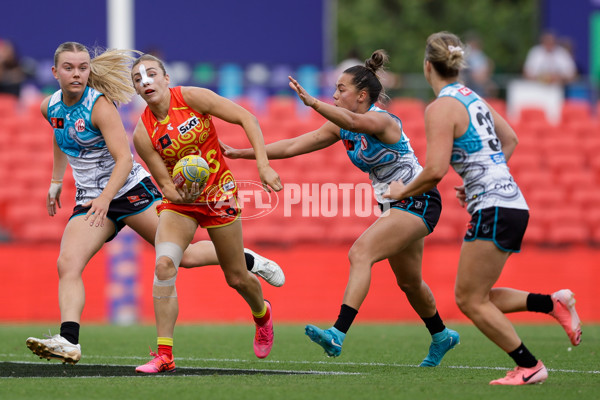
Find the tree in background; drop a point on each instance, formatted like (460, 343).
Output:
(508, 28)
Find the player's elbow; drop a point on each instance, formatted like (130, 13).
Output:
(126, 161)
(249, 120)
(435, 174)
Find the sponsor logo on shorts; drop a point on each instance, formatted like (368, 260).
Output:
(400, 204)
(229, 186)
(469, 229)
(137, 200)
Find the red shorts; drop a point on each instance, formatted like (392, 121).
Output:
(207, 215)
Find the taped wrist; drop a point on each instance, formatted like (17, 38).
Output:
(55, 187)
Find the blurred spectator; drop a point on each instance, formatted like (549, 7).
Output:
(478, 74)
(549, 62)
(12, 74)
(352, 58)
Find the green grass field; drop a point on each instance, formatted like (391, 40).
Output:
(217, 362)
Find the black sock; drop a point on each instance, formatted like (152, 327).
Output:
(539, 303)
(523, 357)
(70, 331)
(345, 318)
(434, 324)
(249, 261)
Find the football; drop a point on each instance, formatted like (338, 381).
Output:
(190, 169)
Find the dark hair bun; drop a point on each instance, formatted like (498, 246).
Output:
(377, 60)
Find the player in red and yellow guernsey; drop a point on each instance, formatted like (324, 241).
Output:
(178, 122)
(183, 132)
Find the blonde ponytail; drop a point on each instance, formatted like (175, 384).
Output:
(110, 74)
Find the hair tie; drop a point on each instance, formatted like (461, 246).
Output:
(456, 49)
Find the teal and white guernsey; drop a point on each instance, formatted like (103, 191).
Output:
(478, 158)
(383, 162)
(84, 145)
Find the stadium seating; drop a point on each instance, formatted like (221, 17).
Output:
(531, 115)
(282, 108)
(566, 225)
(575, 181)
(407, 109)
(8, 105)
(574, 111)
(586, 196)
(526, 160)
(557, 168)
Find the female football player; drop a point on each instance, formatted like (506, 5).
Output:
(377, 144)
(178, 122)
(89, 136)
(465, 132)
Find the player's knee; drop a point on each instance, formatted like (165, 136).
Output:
(188, 261)
(237, 281)
(409, 287)
(61, 267)
(464, 303)
(68, 268)
(164, 268)
(358, 255)
(168, 259)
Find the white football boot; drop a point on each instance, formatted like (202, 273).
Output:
(55, 348)
(267, 269)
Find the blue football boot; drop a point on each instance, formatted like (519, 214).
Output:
(441, 343)
(330, 339)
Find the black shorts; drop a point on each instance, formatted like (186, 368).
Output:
(504, 226)
(136, 200)
(427, 206)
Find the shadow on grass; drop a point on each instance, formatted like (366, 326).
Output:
(53, 370)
